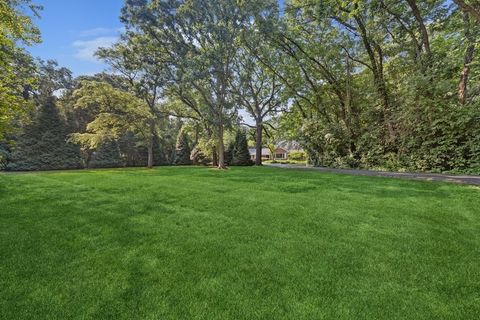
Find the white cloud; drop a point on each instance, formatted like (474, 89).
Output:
(86, 48)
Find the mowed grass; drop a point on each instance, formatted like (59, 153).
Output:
(245, 243)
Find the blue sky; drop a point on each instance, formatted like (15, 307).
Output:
(73, 29)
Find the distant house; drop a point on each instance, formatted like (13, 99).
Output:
(280, 153)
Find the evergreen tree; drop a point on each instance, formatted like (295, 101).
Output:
(43, 144)
(159, 157)
(4, 156)
(107, 155)
(241, 155)
(182, 152)
(134, 156)
(228, 155)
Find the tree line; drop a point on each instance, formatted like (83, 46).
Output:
(370, 84)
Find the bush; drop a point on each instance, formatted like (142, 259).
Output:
(297, 155)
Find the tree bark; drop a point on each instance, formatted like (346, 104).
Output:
(467, 60)
(150, 154)
(375, 54)
(258, 143)
(214, 157)
(150, 145)
(474, 11)
(220, 148)
(421, 27)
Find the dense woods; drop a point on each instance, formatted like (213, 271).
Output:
(381, 84)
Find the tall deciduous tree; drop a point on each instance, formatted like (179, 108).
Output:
(16, 28)
(117, 113)
(142, 65)
(200, 40)
(256, 88)
(470, 30)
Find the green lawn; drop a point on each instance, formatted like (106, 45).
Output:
(246, 243)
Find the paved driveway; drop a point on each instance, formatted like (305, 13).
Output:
(464, 179)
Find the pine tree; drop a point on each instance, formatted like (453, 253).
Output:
(4, 156)
(241, 155)
(133, 155)
(159, 156)
(182, 151)
(228, 154)
(107, 155)
(43, 144)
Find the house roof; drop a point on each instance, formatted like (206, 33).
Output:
(290, 145)
(266, 151)
(253, 151)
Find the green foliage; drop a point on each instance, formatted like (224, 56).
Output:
(131, 147)
(197, 41)
(43, 144)
(115, 114)
(229, 151)
(107, 155)
(301, 162)
(16, 29)
(4, 156)
(51, 77)
(160, 157)
(297, 155)
(198, 157)
(182, 151)
(240, 153)
(373, 84)
(360, 99)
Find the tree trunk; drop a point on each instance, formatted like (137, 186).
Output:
(421, 27)
(150, 154)
(351, 116)
(214, 157)
(471, 9)
(462, 86)
(467, 60)
(258, 144)
(387, 116)
(375, 54)
(220, 148)
(150, 145)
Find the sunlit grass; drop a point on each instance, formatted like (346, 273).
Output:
(245, 243)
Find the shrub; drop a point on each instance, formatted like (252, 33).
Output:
(297, 155)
